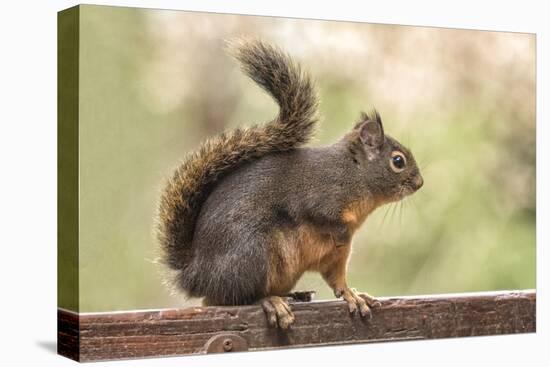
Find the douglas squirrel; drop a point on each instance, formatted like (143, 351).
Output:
(243, 217)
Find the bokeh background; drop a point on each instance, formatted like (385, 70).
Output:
(155, 83)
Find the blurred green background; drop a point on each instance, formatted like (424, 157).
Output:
(155, 83)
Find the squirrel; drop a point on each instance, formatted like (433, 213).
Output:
(243, 217)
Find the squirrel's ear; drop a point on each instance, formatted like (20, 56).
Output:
(371, 133)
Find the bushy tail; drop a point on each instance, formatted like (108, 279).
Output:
(192, 181)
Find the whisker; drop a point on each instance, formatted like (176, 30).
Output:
(425, 166)
(394, 206)
(384, 217)
(407, 203)
(390, 212)
(425, 162)
(401, 213)
(413, 201)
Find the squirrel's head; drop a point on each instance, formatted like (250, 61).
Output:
(389, 169)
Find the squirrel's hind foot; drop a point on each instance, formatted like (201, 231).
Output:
(277, 311)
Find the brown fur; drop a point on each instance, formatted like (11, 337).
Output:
(297, 251)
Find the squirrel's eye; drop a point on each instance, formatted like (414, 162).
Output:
(397, 161)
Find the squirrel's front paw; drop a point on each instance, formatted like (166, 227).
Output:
(278, 312)
(356, 301)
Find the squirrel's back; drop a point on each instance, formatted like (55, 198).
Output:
(195, 178)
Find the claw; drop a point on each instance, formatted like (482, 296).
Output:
(371, 301)
(352, 307)
(365, 310)
(361, 301)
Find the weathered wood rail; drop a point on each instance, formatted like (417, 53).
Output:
(195, 330)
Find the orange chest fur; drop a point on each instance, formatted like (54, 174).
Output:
(356, 212)
(297, 251)
(309, 248)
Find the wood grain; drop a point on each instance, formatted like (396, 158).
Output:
(167, 332)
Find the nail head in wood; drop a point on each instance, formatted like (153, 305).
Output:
(224, 343)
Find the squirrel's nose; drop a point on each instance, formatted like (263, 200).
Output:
(418, 182)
